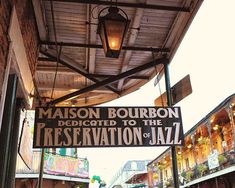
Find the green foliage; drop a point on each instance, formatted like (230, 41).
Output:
(161, 166)
(202, 168)
(167, 183)
(222, 159)
(189, 175)
(183, 174)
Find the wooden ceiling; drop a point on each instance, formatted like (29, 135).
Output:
(72, 69)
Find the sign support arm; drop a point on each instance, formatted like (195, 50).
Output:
(173, 148)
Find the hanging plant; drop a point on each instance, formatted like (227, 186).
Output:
(189, 175)
(222, 159)
(161, 166)
(155, 175)
(202, 168)
(167, 183)
(183, 174)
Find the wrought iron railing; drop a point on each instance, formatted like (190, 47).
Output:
(226, 159)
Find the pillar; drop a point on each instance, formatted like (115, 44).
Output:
(7, 124)
(10, 179)
(173, 148)
(208, 126)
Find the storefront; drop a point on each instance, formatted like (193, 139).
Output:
(59, 171)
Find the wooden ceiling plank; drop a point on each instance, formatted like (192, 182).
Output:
(131, 41)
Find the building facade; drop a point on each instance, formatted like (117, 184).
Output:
(208, 157)
(129, 169)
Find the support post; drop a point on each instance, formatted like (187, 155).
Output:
(40, 177)
(10, 179)
(7, 123)
(169, 102)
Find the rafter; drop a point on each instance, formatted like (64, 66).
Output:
(60, 87)
(126, 4)
(82, 45)
(110, 80)
(73, 66)
(64, 70)
(131, 41)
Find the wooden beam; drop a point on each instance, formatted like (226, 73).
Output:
(46, 59)
(129, 77)
(40, 19)
(110, 80)
(126, 4)
(131, 41)
(92, 37)
(82, 45)
(64, 70)
(47, 87)
(73, 66)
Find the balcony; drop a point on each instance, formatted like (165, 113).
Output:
(209, 151)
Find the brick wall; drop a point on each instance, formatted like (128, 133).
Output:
(28, 26)
(5, 12)
(25, 13)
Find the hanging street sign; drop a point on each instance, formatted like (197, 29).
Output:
(179, 91)
(58, 127)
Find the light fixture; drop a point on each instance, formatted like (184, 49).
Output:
(189, 146)
(112, 29)
(199, 139)
(216, 127)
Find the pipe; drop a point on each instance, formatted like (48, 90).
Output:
(173, 148)
(7, 124)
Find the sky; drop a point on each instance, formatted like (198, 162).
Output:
(207, 55)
